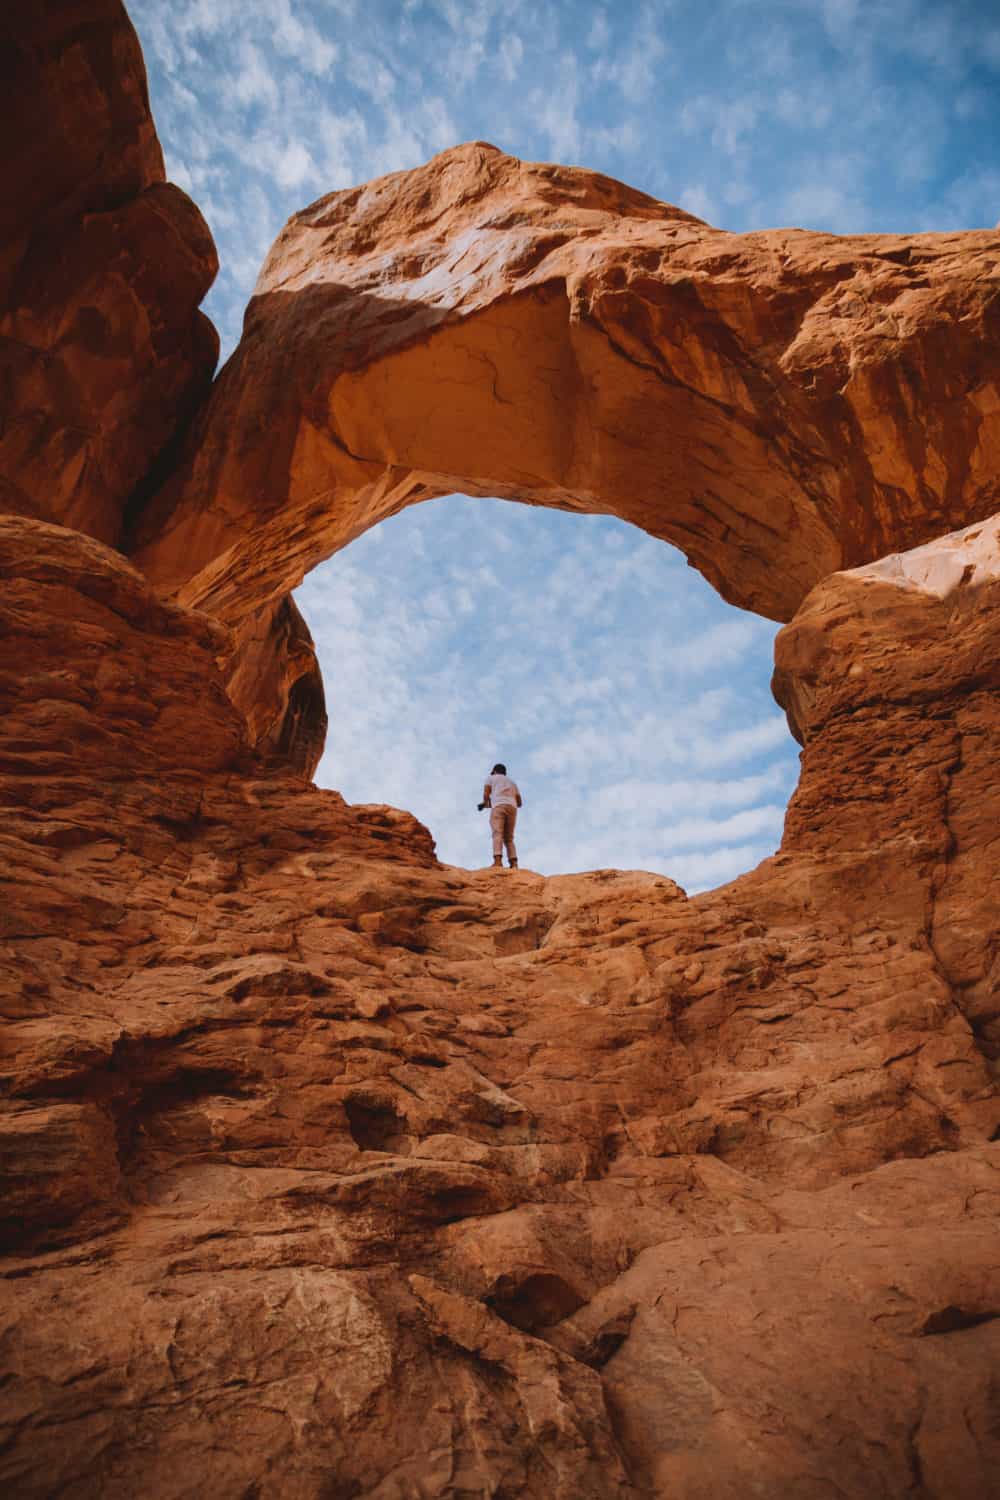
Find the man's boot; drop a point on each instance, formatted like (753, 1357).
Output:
(513, 864)
(497, 862)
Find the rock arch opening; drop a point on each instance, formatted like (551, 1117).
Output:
(632, 702)
(779, 406)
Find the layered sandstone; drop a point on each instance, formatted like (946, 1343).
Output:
(329, 1168)
(103, 263)
(778, 404)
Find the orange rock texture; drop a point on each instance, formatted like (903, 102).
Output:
(333, 1170)
(103, 352)
(274, 680)
(779, 404)
(328, 1170)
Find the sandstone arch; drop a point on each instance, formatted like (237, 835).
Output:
(779, 405)
(730, 1131)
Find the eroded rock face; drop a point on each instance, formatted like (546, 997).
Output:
(333, 1169)
(104, 356)
(103, 352)
(778, 404)
(273, 679)
(917, 632)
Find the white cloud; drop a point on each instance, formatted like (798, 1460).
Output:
(739, 744)
(370, 74)
(292, 164)
(689, 833)
(972, 201)
(697, 200)
(509, 57)
(824, 205)
(313, 51)
(633, 68)
(600, 33)
(841, 19)
(733, 122)
(658, 799)
(971, 103)
(254, 83)
(178, 172)
(621, 138)
(700, 872)
(341, 143)
(803, 109)
(553, 113)
(470, 22)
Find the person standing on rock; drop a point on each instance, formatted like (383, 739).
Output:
(503, 799)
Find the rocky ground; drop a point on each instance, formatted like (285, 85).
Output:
(333, 1170)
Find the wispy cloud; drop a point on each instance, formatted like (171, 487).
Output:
(831, 114)
(554, 112)
(436, 666)
(632, 66)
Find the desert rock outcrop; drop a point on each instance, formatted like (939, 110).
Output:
(102, 266)
(329, 1165)
(329, 1170)
(274, 680)
(105, 355)
(778, 404)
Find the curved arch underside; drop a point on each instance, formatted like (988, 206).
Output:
(779, 405)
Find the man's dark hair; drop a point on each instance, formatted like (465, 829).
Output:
(499, 769)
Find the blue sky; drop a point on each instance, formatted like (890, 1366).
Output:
(630, 702)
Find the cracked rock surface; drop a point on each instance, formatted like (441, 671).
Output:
(333, 1170)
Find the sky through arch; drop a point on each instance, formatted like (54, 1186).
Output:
(630, 703)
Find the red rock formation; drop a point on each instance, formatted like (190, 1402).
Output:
(104, 354)
(274, 680)
(102, 266)
(331, 1168)
(918, 632)
(777, 404)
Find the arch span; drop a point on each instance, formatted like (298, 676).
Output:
(779, 405)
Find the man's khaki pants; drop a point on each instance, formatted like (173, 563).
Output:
(502, 820)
